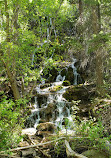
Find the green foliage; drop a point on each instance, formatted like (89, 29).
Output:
(94, 131)
(99, 40)
(59, 147)
(10, 122)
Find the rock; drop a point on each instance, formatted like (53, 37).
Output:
(56, 88)
(31, 120)
(62, 64)
(95, 154)
(80, 92)
(41, 99)
(81, 96)
(28, 153)
(66, 83)
(50, 108)
(29, 131)
(45, 85)
(45, 128)
(23, 143)
(70, 75)
(44, 133)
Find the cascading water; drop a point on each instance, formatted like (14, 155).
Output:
(52, 107)
(74, 71)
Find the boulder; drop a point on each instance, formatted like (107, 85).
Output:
(81, 96)
(80, 92)
(66, 83)
(45, 128)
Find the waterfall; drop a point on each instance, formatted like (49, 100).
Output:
(74, 71)
(54, 99)
(50, 105)
(61, 77)
(48, 34)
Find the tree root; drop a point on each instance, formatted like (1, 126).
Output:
(72, 154)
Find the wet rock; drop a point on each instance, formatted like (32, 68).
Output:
(31, 120)
(70, 75)
(64, 72)
(45, 85)
(56, 88)
(66, 83)
(50, 108)
(45, 128)
(41, 99)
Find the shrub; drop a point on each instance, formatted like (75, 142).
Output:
(9, 124)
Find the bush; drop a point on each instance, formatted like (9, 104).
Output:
(9, 124)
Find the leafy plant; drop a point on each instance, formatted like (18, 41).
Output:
(10, 122)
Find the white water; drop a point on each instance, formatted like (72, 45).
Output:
(62, 78)
(62, 109)
(74, 71)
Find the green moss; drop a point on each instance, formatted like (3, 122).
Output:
(56, 88)
(66, 83)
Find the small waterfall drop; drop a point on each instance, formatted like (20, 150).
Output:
(61, 77)
(74, 71)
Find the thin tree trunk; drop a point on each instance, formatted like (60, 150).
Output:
(96, 25)
(80, 7)
(7, 22)
(12, 82)
(11, 74)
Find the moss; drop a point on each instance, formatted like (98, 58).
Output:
(79, 92)
(56, 88)
(66, 83)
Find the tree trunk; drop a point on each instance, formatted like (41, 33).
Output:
(13, 82)
(80, 7)
(96, 25)
(11, 74)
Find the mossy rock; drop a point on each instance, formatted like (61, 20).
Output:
(45, 85)
(79, 92)
(70, 75)
(66, 83)
(56, 88)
